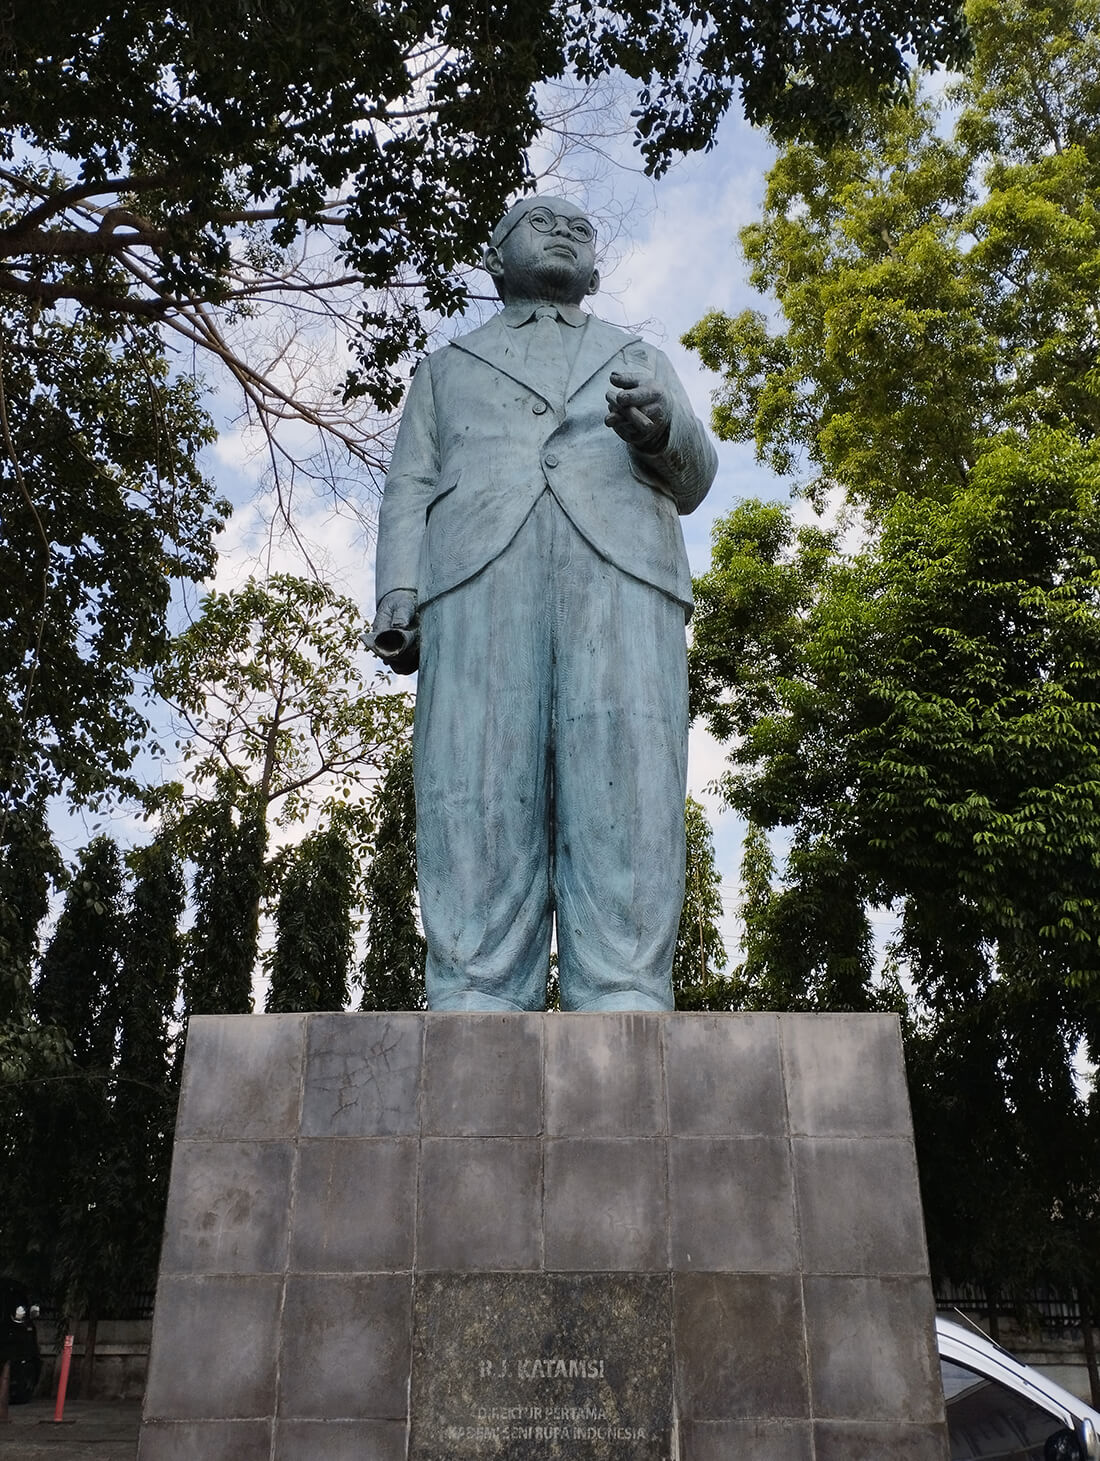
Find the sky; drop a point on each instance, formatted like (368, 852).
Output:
(672, 254)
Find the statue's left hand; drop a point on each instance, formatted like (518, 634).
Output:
(394, 636)
(638, 411)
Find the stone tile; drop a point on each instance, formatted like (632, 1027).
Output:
(739, 1346)
(242, 1077)
(731, 1204)
(859, 1205)
(339, 1440)
(228, 1206)
(724, 1076)
(347, 1347)
(482, 1075)
(214, 1347)
(747, 1440)
(216, 1440)
(354, 1205)
(603, 1075)
(844, 1441)
(605, 1204)
(872, 1349)
(845, 1075)
(479, 1204)
(362, 1075)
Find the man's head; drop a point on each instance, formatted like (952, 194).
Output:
(543, 248)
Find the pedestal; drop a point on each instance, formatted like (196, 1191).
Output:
(608, 1237)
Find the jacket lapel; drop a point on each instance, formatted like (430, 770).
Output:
(601, 342)
(502, 348)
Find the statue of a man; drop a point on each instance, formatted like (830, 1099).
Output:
(529, 536)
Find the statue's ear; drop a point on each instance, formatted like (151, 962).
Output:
(594, 283)
(492, 262)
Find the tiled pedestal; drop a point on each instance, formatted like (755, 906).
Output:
(439, 1237)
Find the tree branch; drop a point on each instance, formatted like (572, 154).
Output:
(99, 299)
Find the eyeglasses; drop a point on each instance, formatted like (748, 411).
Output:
(542, 220)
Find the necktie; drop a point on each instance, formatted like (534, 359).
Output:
(546, 352)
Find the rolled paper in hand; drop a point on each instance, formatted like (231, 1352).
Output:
(393, 641)
(398, 646)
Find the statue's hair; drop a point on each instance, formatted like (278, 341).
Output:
(514, 214)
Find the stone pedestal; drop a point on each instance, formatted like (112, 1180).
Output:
(441, 1237)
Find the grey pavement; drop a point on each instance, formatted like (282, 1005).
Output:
(93, 1430)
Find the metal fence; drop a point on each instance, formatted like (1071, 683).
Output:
(1042, 1308)
(136, 1305)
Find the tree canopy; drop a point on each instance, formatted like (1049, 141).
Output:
(314, 925)
(86, 1141)
(392, 969)
(102, 508)
(915, 693)
(278, 724)
(700, 956)
(269, 686)
(194, 146)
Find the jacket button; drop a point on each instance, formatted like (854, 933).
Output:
(551, 461)
(539, 408)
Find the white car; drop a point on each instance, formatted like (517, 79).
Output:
(1001, 1410)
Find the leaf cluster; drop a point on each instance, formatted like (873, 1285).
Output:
(102, 510)
(85, 1224)
(700, 955)
(311, 961)
(270, 687)
(392, 970)
(199, 141)
(936, 290)
(915, 696)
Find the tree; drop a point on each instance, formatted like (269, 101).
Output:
(806, 943)
(392, 971)
(269, 686)
(223, 940)
(84, 1220)
(143, 1114)
(314, 925)
(281, 725)
(697, 981)
(102, 508)
(923, 711)
(29, 865)
(58, 1230)
(77, 983)
(214, 158)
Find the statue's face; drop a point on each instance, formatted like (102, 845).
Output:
(549, 252)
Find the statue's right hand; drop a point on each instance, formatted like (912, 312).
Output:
(394, 637)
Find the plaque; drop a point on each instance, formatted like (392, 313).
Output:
(542, 1365)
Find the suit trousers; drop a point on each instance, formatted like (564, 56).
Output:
(550, 756)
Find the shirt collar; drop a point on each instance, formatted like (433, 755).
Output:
(518, 311)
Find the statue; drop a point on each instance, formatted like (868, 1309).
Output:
(529, 552)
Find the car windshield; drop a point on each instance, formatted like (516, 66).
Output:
(988, 1420)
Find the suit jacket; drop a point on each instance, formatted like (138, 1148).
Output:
(482, 437)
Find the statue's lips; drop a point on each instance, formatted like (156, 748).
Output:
(562, 248)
